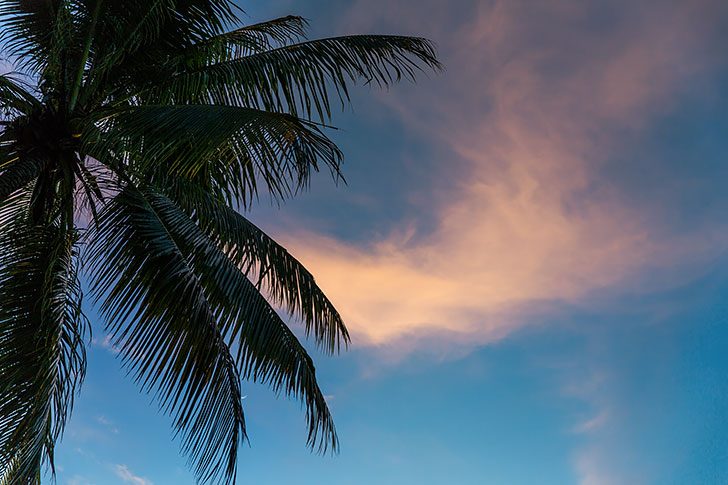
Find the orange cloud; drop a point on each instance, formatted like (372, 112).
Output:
(532, 115)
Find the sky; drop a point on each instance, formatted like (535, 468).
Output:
(530, 254)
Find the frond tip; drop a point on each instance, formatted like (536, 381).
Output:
(288, 283)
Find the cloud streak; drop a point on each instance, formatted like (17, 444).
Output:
(535, 102)
(127, 476)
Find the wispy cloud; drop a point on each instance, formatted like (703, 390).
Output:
(592, 423)
(108, 424)
(123, 472)
(534, 103)
(107, 344)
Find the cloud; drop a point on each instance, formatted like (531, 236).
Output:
(535, 102)
(123, 472)
(108, 424)
(593, 423)
(107, 344)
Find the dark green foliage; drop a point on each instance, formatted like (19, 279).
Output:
(41, 334)
(130, 136)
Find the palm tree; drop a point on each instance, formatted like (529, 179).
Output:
(131, 133)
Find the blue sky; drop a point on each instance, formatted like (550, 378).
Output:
(530, 254)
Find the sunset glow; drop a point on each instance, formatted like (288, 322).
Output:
(529, 253)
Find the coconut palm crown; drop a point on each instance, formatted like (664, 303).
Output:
(132, 135)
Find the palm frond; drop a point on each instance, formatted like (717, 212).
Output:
(16, 173)
(267, 35)
(159, 118)
(137, 37)
(244, 41)
(41, 342)
(289, 284)
(26, 25)
(242, 148)
(14, 97)
(299, 78)
(138, 23)
(37, 33)
(267, 350)
(176, 350)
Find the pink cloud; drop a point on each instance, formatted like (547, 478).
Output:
(534, 101)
